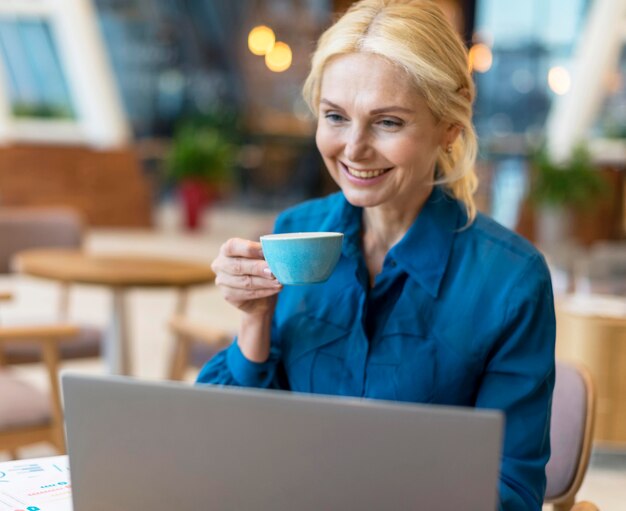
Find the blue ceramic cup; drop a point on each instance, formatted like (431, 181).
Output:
(302, 257)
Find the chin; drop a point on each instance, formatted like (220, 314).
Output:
(362, 200)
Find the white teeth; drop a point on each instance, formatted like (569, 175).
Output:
(365, 174)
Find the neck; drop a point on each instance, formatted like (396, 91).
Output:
(385, 225)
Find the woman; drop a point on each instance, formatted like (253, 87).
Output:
(430, 301)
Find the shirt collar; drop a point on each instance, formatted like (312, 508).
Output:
(349, 221)
(424, 250)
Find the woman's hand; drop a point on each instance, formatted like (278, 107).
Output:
(243, 276)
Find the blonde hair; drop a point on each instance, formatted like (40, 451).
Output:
(415, 35)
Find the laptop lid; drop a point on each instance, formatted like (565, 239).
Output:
(167, 446)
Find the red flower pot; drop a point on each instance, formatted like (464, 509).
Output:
(195, 196)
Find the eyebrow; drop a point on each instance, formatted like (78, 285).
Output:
(376, 111)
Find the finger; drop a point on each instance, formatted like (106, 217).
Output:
(237, 247)
(243, 266)
(246, 281)
(232, 294)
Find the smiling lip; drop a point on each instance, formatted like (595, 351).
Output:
(365, 176)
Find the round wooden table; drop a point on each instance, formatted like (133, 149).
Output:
(118, 272)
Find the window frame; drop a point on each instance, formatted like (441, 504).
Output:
(100, 118)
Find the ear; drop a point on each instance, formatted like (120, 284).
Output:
(450, 135)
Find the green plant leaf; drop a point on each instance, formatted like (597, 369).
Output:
(201, 153)
(575, 182)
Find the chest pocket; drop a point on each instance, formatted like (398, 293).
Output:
(403, 363)
(412, 374)
(314, 353)
(425, 360)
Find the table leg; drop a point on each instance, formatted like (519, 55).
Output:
(181, 301)
(182, 343)
(117, 345)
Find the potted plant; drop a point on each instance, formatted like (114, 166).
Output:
(199, 161)
(559, 187)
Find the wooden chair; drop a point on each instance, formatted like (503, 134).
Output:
(571, 433)
(27, 415)
(194, 344)
(24, 228)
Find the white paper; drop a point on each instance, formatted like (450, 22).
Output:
(41, 484)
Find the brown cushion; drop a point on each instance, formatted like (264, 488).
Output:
(21, 405)
(88, 344)
(24, 228)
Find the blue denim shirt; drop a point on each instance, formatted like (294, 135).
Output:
(459, 315)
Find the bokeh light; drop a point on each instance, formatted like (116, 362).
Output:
(522, 80)
(279, 58)
(613, 82)
(559, 80)
(480, 58)
(261, 40)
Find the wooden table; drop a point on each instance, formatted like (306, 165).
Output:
(119, 273)
(592, 337)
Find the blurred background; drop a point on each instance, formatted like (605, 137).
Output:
(118, 97)
(171, 125)
(105, 93)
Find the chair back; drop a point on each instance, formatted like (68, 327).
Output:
(24, 228)
(571, 432)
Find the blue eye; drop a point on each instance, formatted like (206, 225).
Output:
(390, 123)
(333, 117)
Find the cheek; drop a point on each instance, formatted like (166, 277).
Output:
(412, 151)
(327, 144)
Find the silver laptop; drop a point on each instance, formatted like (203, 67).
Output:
(167, 446)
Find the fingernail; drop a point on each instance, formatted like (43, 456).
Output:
(267, 271)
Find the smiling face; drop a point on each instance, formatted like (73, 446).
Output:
(377, 136)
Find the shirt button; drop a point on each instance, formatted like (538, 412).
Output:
(393, 263)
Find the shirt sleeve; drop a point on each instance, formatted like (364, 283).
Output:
(519, 380)
(231, 367)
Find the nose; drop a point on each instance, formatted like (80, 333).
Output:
(357, 145)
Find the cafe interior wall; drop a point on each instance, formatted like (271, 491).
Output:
(64, 137)
(160, 62)
(169, 60)
(177, 61)
(127, 77)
